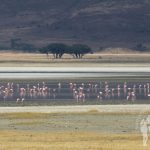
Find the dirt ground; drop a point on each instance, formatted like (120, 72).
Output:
(83, 122)
(70, 131)
(130, 108)
(95, 127)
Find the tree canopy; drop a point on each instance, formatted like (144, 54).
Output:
(59, 49)
(79, 50)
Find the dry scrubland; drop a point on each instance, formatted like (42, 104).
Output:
(90, 131)
(107, 58)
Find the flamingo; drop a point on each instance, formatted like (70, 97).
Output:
(20, 100)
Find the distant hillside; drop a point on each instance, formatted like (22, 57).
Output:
(98, 23)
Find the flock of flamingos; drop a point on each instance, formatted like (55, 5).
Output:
(78, 91)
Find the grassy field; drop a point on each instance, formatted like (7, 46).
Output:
(68, 141)
(97, 59)
(70, 131)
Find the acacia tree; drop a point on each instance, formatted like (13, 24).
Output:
(79, 50)
(57, 49)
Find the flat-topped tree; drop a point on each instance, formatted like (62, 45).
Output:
(57, 49)
(79, 50)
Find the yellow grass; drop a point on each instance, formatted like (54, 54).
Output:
(31, 115)
(26, 115)
(10, 140)
(97, 59)
(20, 139)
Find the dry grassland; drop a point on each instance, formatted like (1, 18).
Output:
(26, 138)
(68, 141)
(97, 59)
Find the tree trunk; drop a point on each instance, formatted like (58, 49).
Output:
(76, 55)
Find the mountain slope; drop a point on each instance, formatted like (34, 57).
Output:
(108, 23)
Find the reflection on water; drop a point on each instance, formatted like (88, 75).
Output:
(78, 91)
